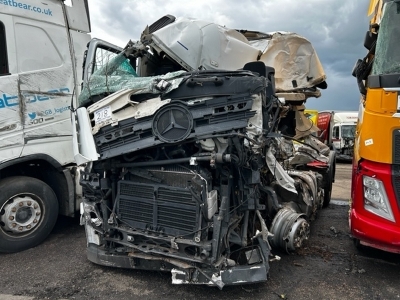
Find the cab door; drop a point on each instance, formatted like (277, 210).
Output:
(97, 54)
(11, 118)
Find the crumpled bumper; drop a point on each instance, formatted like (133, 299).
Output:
(234, 275)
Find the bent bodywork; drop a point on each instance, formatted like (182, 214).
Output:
(195, 168)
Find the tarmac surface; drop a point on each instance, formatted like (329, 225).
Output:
(328, 267)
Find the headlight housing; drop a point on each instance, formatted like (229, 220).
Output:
(375, 198)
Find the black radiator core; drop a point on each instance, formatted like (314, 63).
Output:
(158, 208)
(396, 146)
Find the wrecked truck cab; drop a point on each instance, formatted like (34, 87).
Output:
(200, 172)
(171, 189)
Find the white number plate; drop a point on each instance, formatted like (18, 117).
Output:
(102, 114)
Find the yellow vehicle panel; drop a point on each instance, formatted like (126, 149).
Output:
(374, 138)
(312, 114)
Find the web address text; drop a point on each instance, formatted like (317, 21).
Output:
(21, 5)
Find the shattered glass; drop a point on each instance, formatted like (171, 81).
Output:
(118, 74)
(348, 131)
(387, 54)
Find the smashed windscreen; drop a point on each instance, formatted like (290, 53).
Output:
(348, 131)
(117, 74)
(387, 54)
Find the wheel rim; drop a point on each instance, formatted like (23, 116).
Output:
(21, 214)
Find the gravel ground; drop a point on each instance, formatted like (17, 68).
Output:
(328, 267)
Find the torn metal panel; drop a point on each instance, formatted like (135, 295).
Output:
(234, 276)
(292, 97)
(277, 170)
(255, 125)
(11, 125)
(27, 118)
(296, 63)
(189, 41)
(304, 126)
(46, 105)
(297, 66)
(121, 108)
(315, 143)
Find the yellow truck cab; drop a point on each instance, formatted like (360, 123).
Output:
(375, 209)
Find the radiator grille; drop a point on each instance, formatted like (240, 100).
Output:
(170, 210)
(396, 182)
(174, 196)
(396, 146)
(228, 107)
(176, 218)
(162, 22)
(133, 210)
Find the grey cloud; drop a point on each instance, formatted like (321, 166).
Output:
(341, 95)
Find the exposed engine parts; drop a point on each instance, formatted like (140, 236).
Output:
(202, 174)
(290, 229)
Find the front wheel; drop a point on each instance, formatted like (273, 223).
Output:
(28, 213)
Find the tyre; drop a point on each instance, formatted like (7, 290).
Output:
(327, 194)
(357, 244)
(28, 213)
(329, 179)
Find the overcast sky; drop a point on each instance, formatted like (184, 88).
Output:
(336, 28)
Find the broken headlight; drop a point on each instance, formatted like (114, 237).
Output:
(375, 198)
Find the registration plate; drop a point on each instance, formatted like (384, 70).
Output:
(102, 114)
